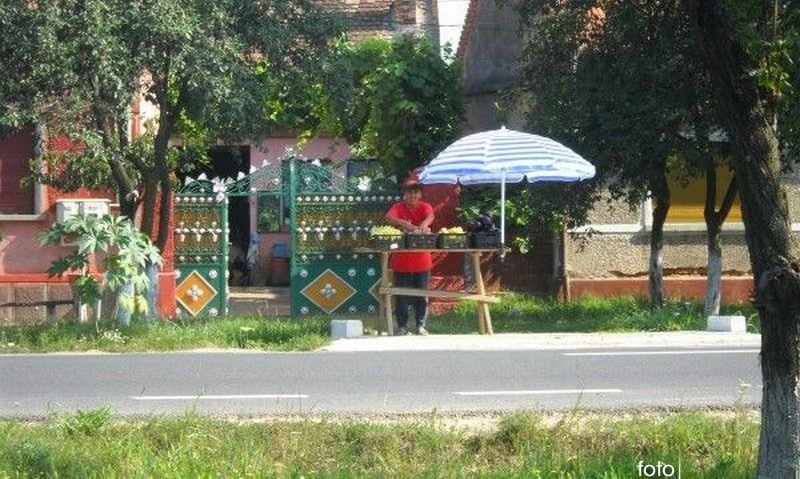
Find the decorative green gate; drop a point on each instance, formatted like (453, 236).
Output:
(202, 234)
(331, 217)
(201, 249)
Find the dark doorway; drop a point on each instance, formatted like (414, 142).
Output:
(228, 162)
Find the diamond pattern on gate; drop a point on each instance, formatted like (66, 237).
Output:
(328, 291)
(374, 291)
(194, 293)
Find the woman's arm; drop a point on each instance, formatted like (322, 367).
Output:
(397, 222)
(425, 226)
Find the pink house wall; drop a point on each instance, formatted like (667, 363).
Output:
(21, 257)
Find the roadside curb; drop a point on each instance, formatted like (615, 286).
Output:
(555, 341)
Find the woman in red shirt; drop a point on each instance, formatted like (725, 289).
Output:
(411, 270)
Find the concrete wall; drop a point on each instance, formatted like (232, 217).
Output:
(616, 242)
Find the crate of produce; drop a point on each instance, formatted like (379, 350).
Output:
(485, 240)
(386, 237)
(452, 238)
(421, 241)
(386, 241)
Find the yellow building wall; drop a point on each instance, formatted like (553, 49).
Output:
(688, 200)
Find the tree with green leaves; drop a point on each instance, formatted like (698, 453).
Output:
(214, 71)
(395, 100)
(750, 51)
(622, 84)
(125, 253)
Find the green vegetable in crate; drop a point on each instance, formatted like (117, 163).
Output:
(385, 231)
(456, 230)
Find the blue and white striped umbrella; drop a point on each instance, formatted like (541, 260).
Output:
(485, 157)
(505, 156)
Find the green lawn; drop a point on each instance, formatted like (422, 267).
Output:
(95, 444)
(526, 314)
(515, 314)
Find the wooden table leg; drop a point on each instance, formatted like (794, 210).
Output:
(385, 304)
(481, 318)
(483, 309)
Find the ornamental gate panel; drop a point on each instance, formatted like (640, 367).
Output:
(331, 217)
(202, 234)
(201, 250)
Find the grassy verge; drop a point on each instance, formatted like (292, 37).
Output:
(279, 335)
(95, 445)
(526, 314)
(515, 314)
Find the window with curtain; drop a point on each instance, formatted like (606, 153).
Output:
(16, 151)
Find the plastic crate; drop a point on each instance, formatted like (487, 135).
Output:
(421, 241)
(452, 241)
(485, 240)
(387, 241)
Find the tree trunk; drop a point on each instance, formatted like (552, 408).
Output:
(151, 295)
(149, 205)
(714, 221)
(661, 203)
(565, 294)
(556, 283)
(124, 310)
(161, 145)
(104, 121)
(766, 218)
(714, 273)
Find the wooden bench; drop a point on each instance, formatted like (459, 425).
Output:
(484, 317)
(480, 297)
(437, 293)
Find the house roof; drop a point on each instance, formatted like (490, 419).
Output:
(469, 25)
(365, 18)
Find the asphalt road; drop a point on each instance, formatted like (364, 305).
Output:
(379, 382)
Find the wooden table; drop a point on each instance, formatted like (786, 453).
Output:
(387, 290)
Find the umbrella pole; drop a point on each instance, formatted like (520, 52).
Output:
(503, 211)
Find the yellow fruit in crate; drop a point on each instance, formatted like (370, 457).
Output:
(456, 230)
(385, 231)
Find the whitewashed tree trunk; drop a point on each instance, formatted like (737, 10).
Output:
(779, 454)
(714, 220)
(124, 312)
(714, 278)
(765, 210)
(152, 294)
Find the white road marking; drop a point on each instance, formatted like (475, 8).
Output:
(220, 396)
(535, 392)
(665, 353)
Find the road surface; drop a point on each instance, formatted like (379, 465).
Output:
(371, 382)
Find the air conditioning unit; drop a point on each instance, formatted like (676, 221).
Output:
(89, 207)
(71, 207)
(65, 209)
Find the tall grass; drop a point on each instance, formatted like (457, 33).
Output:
(522, 445)
(526, 314)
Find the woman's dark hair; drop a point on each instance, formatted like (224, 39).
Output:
(412, 186)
